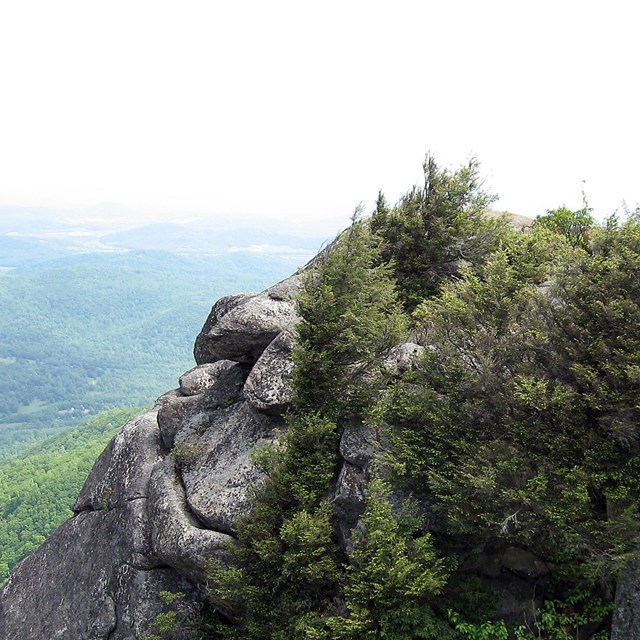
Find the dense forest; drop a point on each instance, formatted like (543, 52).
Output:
(84, 333)
(39, 486)
(514, 439)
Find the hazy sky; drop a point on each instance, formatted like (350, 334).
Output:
(302, 110)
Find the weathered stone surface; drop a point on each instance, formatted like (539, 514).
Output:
(122, 472)
(100, 575)
(177, 537)
(403, 358)
(180, 413)
(227, 387)
(188, 413)
(626, 617)
(357, 444)
(166, 398)
(216, 468)
(349, 498)
(218, 311)
(349, 502)
(86, 582)
(269, 385)
(204, 376)
(142, 602)
(286, 289)
(241, 328)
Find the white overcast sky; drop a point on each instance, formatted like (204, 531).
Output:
(302, 110)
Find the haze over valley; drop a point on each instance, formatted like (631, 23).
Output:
(100, 308)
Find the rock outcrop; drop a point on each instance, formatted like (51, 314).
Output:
(626, 617)
(98, 575)
(165, 495)
(241, 327)
(269, 385)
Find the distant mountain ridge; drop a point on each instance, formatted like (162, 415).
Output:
(196, 238)
(33, 235)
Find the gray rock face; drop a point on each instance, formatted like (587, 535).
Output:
(122, 472)
(349, 498)
(403, 358)
(269, 385)
(165, 494)
(287, 289)
(98, 576)
(217, 469)
(208, 387)
(102, 608)
(181, 542)
(227, 387)
(189, 414)
(181, 413)
(241, 328)
(357, 444)
(626, 617)
(203, 377)
(349, 501)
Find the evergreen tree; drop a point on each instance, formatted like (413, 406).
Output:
(435, 229)
(350, 320)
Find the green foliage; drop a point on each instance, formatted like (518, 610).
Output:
(598, 332)
(522, 422)
(172, 622)
(93, 332)
(391, 576)
(533, 253)
(287, 559)
(350, 320)
(171, 597)
(302, 465)
(575, 226)
(555, 620)
(519, 425)
(435, 229)
(473, 348)
(487, 630)
(290, 575)
(39, 486)
(166, 622)
(563, 619)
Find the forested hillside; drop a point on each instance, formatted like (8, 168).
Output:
(431, 433)
(87, 332)
(39, 486)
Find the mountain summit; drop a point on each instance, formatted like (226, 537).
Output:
(431, 431)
